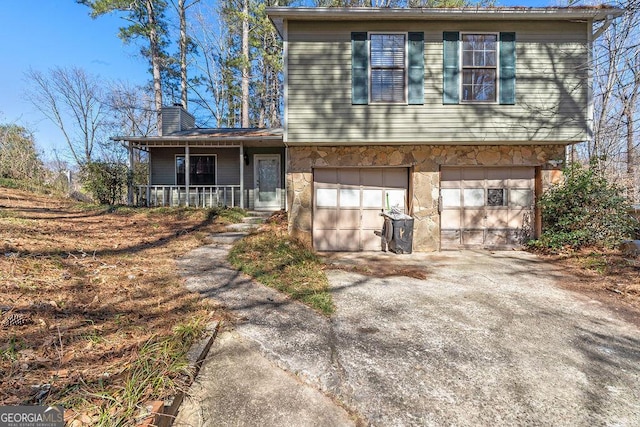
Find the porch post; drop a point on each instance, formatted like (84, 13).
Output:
(130, 177)
(242, 175)
(187, 172)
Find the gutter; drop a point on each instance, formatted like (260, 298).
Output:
(606, 24)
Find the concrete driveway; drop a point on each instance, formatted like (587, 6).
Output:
(485, 339)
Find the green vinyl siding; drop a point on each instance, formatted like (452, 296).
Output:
(551, 104)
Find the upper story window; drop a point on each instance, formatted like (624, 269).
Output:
(479, 67)
(388, 67)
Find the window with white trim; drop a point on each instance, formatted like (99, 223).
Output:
(202, 170)
(479, 67)
(388, 67)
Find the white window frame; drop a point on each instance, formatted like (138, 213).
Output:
(215, 165)
(461, 62)
(406, 64)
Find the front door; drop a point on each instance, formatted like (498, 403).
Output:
(267, 180)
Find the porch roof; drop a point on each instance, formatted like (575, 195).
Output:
(214, 137)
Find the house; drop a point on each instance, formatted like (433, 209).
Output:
(227, 167)
(458, 117)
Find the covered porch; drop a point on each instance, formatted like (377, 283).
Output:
(212, 168)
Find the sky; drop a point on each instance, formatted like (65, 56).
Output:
(43, 34)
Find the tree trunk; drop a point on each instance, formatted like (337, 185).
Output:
(155, 62)
(183, 53)
(245, 65)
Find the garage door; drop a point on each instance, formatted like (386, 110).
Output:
(486, 207)
(347, 205)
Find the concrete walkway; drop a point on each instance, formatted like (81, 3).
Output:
(485, 339)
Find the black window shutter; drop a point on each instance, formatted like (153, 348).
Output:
(416, 69)
(508, 68)
(451, 68)
(359, 69)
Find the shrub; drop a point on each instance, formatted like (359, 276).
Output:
(585, 210)
(19, 159)
(107, 182)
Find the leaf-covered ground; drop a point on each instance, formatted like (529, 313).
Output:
(87, 290)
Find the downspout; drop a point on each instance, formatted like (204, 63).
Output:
(130, 177)
(606, 24)
(241, 175)
(285, 116)
(187, 172)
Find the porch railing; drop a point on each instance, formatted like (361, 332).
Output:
(204, 196)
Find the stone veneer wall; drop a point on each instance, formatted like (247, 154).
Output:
(425, 161)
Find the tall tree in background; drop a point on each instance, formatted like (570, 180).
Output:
(245, 64)
(72, 100)
(185, 42)
(147, 20)
(256, 67)
(616, 94)
(208, 88)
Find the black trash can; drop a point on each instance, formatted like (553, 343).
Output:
(401, 231)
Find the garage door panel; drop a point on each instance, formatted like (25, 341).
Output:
(327, 176)
(350, 197)
(521, 175)
(472, 216)
(370, 242)
(519, 197)
(450, 219)
(372, 177)
(327, 197)
(486, 206)
(395, 178)
(349, 177)
(348, 203)
(473, 174)
(450, 176)
(348, 219)
(371, 219)
(326, 219)
(450, 238)
(348, 240)
(497, 218)
(518, 218)
(496, 237)
(324, 240)
(472, 237)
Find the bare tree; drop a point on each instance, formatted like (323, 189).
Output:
(616, 94)
(146, 20)
(71, 99)
(131, 108)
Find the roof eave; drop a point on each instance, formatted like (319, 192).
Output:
(198, 138)
(278, 15)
